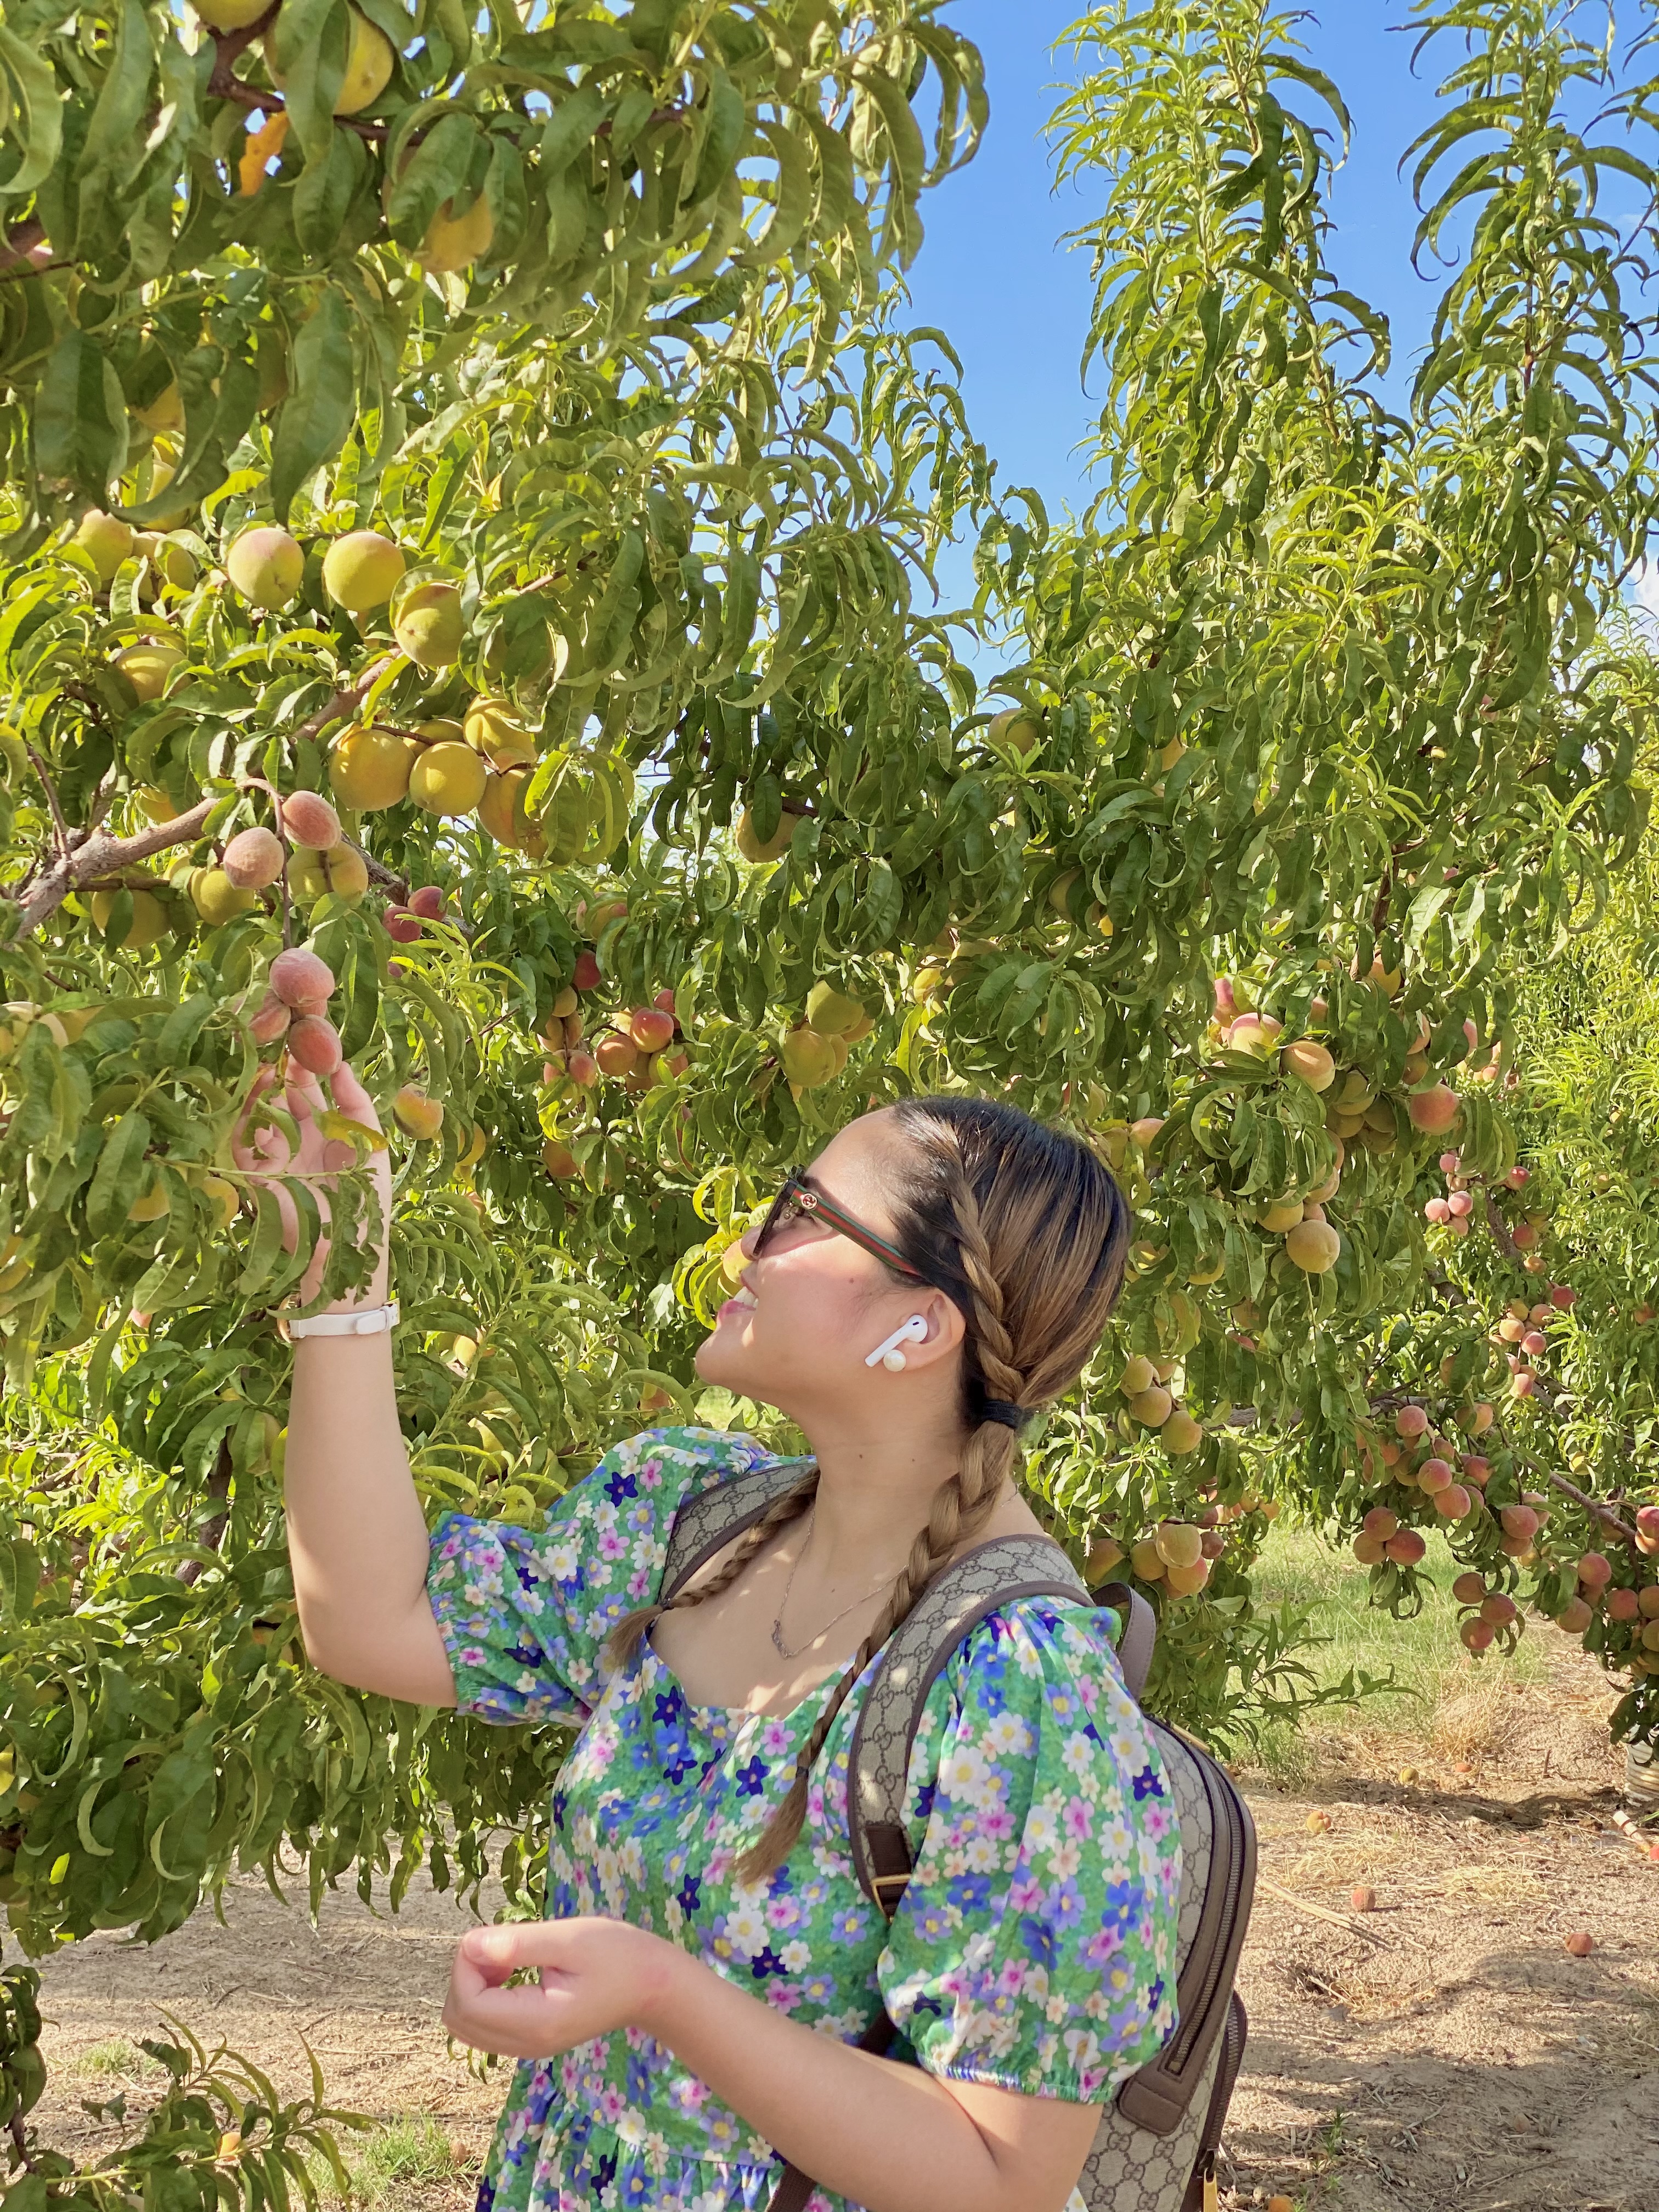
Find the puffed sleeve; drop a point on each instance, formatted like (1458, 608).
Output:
(1035, 1946)
(523, 1613)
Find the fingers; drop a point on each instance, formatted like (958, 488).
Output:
(496, 1952)
(350, 1096)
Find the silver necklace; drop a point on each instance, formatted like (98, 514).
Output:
(777, 1623)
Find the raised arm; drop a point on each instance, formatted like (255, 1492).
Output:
(356, 1535)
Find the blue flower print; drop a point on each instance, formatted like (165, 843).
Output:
(1035, 1946)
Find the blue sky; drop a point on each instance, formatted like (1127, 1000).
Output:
(1015, 303)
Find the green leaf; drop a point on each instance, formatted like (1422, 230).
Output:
(318, 415)
(80, 416)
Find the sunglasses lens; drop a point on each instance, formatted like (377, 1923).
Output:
(784, 1211)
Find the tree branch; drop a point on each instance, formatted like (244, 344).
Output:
(100, 855)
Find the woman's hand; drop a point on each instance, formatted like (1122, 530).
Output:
(263, 1150)
(596, 1975)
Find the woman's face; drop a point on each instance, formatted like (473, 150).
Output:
(815, 1305)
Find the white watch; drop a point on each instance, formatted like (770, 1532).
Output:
(362, 1320)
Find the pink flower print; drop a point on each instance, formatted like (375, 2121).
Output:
(997, 1822)
(690, 2093)
(1079, 1818)
(472, 1655)
(650, 1475)
(612, 1546)
(783, 1996)
(611, 2105)
(1157, 1819)
(1024, 1892)
(815, 1804)
(774, 1739)
(782, 1912)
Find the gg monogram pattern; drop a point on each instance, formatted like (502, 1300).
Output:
(1035, 1947)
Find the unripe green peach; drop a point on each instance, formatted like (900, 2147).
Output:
(231, 14)
(447, 779)
(215, 898)
(831, 1013)
(498, 814)
(368, 68)
(429, 627)
(774, 847)
(266, 566)
(454, 242)
(105, 539)
(808, 1059)
(341, 870)
(361, 570)
(148, 667)
(149, 918)
(492, 728)
(370, 769)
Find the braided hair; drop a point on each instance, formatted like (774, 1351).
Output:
(1024, 1230)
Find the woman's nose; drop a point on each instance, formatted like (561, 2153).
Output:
(746, 1243)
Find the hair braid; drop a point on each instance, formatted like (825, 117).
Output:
(619, 1646)
(961, 1506)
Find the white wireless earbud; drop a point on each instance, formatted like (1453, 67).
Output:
(890, 1357)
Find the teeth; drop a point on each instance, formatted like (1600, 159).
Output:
(744, 1295)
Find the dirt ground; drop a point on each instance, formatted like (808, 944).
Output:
(1442, 2052)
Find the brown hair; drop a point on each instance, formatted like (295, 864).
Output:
(1024, 1228)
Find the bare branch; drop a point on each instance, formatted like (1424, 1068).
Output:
(100, 855)
(64, 841)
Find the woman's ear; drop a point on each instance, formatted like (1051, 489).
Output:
(946, 1329)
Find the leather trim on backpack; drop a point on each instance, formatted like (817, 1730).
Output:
(705, 1524)
(994, 1574)
(1157, 2095)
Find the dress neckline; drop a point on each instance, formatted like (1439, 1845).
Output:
(737, 1715)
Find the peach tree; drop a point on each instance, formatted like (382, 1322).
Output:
(467, 609)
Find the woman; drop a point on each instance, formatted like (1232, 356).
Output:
(709, 1960)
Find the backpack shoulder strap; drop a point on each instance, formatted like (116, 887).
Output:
(992, 1574)
(1139, 1636)
(705, 1523)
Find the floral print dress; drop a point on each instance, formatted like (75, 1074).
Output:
(1034, 1947)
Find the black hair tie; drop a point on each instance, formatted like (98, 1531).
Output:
(1011, 1416)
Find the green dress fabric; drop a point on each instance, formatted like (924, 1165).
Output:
(1035, 1947)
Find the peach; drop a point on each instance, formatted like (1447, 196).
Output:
(310, 821)
(1362, 1900)
(254, 859)
(1411, 1421)
(1534, 1344)
(1475, 1634)
(1437, 1210)
(266, 566)
(617, 1054)
(297, 976)
(402, 927)
(1474, 1469)
(1453, 1502)
(1380, 1521)
(1310, 1064)
(1562, 1297)
(427, 901)
(1434, 1109)
(1595, 1571)
(361, 570)
(1580, 1944)
(1138, 1374)
(1178, 1544)
(650, 1028)
(1498, 1609)
(1470, 1588)
(269, 1020)
(420, 1116)
(1370, 1551)
(1647, 1527)
(587, 976)
(1647, 1601)
(1519, 1521)
(559, 1160)
(582, 1069)
(315, 1041)
(1152, 1407)
(1313, 1246)
(1407, 1548)
(1575, 1617)
(1434, 1475)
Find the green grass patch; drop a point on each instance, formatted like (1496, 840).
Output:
(116, 2060)
(401, 2155)
(1431, 1671)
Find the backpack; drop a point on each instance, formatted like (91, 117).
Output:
(1155, 2148)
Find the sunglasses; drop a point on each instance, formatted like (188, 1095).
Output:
(797, 1200)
